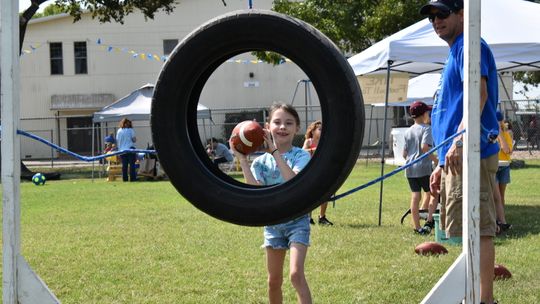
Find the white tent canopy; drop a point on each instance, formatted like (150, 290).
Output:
(136, 106)
(510, 27)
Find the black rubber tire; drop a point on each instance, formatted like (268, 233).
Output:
(174, 122)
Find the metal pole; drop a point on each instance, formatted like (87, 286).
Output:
(384, 135)
(306, 101)
(52, 150)
(369, 132)
(11, 158)
(93, 149)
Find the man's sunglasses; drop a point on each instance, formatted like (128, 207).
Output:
(440, 14)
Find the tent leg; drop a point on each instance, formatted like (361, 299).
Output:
(384, 136)
(369, 132)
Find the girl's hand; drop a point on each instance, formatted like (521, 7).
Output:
(237, 154)
(268, 145)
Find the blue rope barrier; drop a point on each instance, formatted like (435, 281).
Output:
(336, 197)
(333, 198)
(81, 157)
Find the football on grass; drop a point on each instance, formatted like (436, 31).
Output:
(430, 248)
(247, 137)
(502, 273)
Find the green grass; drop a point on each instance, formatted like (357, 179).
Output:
(114, 242)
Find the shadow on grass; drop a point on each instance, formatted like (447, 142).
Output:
(363, 226)
(524, 220)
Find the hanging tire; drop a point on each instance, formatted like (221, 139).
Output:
(174, 123)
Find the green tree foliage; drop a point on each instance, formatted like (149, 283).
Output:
(353, 25)
(114, 10)
(50, 10)
(103, 10)
(528, 78)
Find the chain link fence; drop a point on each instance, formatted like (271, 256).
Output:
(80, 135)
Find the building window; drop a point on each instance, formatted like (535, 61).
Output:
(168, 45)
(81, 60)
(57, 62)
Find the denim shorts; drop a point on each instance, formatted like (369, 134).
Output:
(503, 175)
(281, 236)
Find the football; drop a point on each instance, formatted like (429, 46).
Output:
(38, 179)
(430, 248)
(247, 137)
(502, 273)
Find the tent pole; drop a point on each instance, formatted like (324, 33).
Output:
(93, 147)
(369, 132)
(389, 63)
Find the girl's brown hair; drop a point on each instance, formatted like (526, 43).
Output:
(125, 123)
(285, 107)
(312, 127)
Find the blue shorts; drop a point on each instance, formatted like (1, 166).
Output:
(503, 175)
(281, 236)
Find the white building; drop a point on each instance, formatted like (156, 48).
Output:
(70, 70)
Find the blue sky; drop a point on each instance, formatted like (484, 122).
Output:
(23, 4)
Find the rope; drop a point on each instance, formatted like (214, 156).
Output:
(333, 198)
(81, 157)
(336, 197)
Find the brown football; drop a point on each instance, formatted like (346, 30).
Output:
(430, 248)
(247, 137)
(502, 273)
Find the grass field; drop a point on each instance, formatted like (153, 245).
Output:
(114, 242)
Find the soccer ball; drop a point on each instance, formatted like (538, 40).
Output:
(38, 179)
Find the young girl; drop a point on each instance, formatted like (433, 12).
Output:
(281, 162)
(313, 135)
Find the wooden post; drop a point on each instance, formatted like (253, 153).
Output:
(20, 284)
(471, 157)
(11, 170)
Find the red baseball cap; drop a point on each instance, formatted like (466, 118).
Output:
(418, 108)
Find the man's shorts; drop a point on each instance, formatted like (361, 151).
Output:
(419, 183)
(281, 236)
(503, 175)
(452, 199)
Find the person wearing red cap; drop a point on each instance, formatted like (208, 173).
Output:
(447, 19)
(418, 140)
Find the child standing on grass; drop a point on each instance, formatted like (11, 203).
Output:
(418, 140)
(281, 162)
(313, 135)
(502, 177)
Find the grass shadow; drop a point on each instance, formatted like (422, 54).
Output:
(524, 220)
(362, 226)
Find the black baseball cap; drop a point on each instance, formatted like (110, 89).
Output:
(444, 5)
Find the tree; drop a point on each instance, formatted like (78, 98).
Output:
(50, 10)
(528, 78)
(103, 10)
(353, 25)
